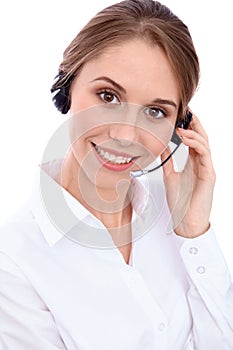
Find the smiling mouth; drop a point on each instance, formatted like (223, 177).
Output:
(112, 158)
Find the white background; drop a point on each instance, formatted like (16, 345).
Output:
(33, 37)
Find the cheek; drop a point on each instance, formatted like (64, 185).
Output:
(78, 135)
(155, 143)
(153, 150)
(79, 150)
(79, 102)
(85, 124)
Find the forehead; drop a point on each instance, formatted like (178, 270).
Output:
(134, 64)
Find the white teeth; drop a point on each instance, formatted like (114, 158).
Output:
(106, 155)
(111, 157)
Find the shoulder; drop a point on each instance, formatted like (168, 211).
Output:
(17, 232)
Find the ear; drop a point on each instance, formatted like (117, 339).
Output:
(61, 98)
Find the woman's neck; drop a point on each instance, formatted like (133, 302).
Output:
(111, 206)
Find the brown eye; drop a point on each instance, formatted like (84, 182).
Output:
(154, 113)
(108, 97)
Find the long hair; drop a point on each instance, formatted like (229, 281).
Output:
(128, 19)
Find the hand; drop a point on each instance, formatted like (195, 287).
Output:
(190, 192)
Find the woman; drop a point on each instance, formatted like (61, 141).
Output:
(93, 262)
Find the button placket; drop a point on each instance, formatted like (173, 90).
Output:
(140, 290)
(193, 250)
(201, 270)
(162, 327)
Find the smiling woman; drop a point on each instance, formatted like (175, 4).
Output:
(101, 260)
(140, 116)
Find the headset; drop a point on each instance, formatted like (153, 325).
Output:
(61, 93)
(181, 123)
(61, 99)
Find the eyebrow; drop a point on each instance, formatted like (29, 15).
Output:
(108, 80)
(119, 87)
(165, 102)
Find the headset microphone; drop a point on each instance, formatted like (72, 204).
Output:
(181, 123)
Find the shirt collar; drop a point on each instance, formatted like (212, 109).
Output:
(56, 211)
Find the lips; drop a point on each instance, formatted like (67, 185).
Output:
(112, 160)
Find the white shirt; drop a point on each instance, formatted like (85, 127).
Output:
(64, 285)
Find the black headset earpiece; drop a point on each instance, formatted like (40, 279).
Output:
(61, 95)
(181, 123)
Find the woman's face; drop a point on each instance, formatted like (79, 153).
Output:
(124, 105)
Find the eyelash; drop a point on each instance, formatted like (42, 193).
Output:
(165, 114)
(115, 95)
(110, 92)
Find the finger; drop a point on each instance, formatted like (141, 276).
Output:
(199, 148)
(194, 144)
(197, 143)
(192, 135)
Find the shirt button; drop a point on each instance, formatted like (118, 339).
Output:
(161, 327)
(193, 250)
(201, 269)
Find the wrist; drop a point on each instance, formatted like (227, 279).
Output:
(191, 231)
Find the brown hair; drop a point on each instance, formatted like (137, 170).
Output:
(146, 19)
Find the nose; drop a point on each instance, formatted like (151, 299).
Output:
(123, 133)
(125, 130)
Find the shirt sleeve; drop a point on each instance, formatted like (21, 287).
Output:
(210, 295)
(25, 321)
